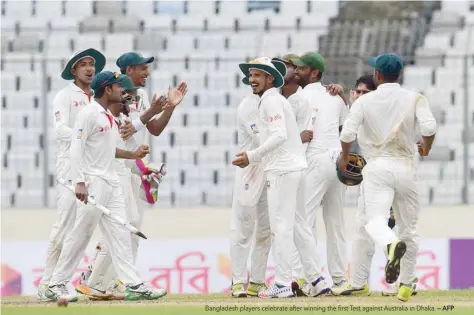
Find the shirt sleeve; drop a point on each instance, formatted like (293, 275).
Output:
(62, 110)
(145, 102)
(302, 111)
(425, 117)
(273, 111)
(343, 114)
(352, 122)
(82, 129)
(241, 134)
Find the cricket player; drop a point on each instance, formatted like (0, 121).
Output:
(384, 122)
(67, 104)
(281, 153)
(100, 281)
(249, 209)
(290, 88)
(321, 185)
(92, 156)
(366, 84)
(135, 66)
(291, 85)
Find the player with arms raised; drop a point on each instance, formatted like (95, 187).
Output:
(384, 122)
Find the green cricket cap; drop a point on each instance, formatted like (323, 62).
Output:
(310, 59)
(387, 64)
(106, 78)
(132, 59)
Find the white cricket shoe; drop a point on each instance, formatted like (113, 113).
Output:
(59, 291)
(276, 291)
(41, 295)
(143, 292)
(316, 288)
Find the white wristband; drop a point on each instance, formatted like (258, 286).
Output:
(138, 124)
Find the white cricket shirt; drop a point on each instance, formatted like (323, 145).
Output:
(93, 145)
(280, 149)
(66, 106)
(249, 181)
(129, 145)
(330, 112)
(384, 122)
(136, 109)
(302, 110)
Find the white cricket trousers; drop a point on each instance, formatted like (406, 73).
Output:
(103, 272)
(289, 226)
(386, 181)
(117, 237)
(322, 187)
(249, 225)
(66, 214)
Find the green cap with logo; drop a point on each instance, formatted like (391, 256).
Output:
(132, 59)
(106, 78)
(387, 64)
(310, 59)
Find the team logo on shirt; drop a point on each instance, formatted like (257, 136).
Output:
(80, 134)
(254, 128)
(246, 186)
(78, 103)
(104, 128)
(274, 118)
(268, 184)
(57, 115)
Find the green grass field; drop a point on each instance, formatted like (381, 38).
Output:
(426, 302)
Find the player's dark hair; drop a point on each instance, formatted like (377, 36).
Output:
(391, 78)
(368, 80)
(99, 93)
(123, 71)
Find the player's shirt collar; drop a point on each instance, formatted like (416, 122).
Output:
(269, 92)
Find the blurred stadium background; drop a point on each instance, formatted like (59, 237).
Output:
(202, 42)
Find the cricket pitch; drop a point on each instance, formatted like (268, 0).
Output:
(426, 302)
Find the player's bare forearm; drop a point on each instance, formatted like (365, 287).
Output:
(156, 126)
(346, 147)
(124, 154)
(149, 114)
(140, 153)
(428, 141)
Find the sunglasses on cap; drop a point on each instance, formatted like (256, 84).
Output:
(115, 75)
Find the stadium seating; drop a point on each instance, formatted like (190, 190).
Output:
(202, 42)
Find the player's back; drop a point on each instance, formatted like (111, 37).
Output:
(330, 113)
(389, 121)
